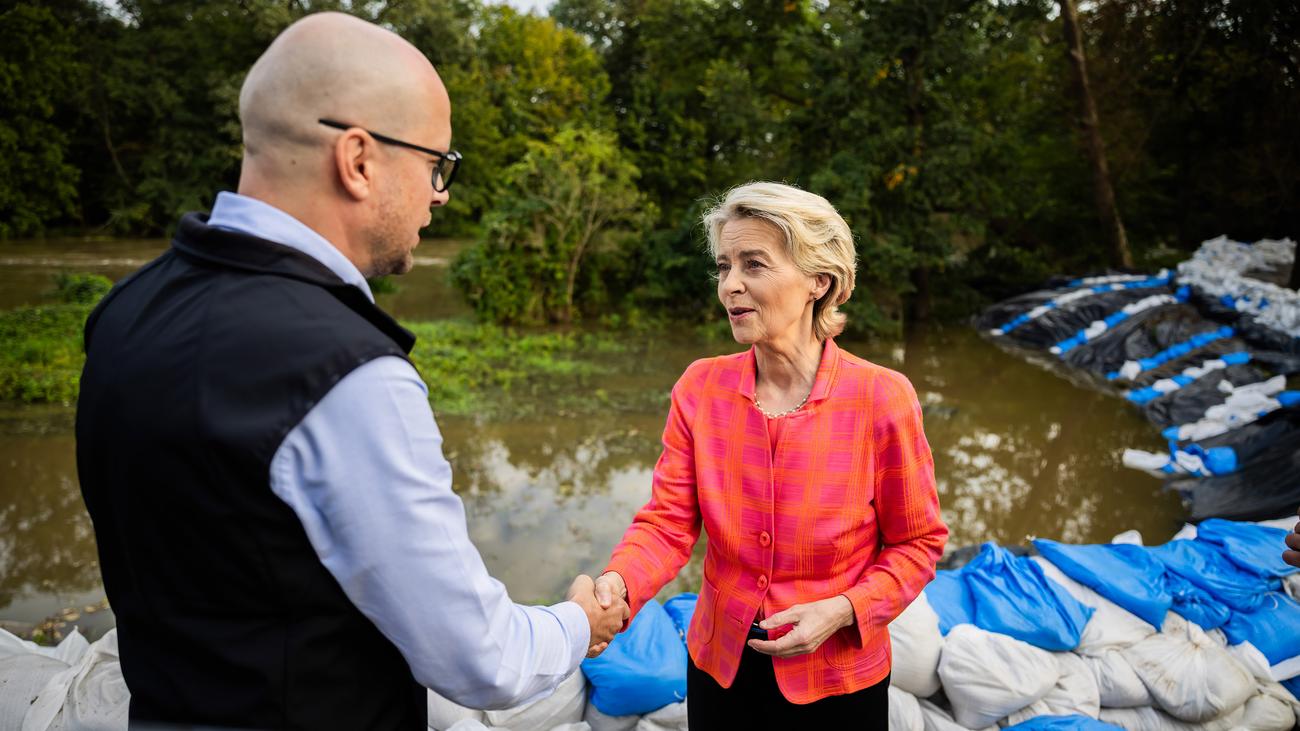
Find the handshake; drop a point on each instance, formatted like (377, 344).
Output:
(605, 602)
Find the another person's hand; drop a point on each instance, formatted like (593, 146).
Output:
(1293, 543)
(610, 586)
(605, 621)
(811, 625)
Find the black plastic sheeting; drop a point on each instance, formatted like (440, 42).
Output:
(1266, 483)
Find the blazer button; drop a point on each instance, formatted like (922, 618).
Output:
(762, 581)
(764, 539)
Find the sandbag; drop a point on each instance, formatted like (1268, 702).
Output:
(22, 676)
(1124, 574)
(563, 706)
(90, 695)
(445, 713)
(1110, 627)
(1189, 676)
(681, 609)
(988, 676)
(937, 719)
(1062, 722)
(1267, 713)
(1273, 629)
(644, 667)
(1254, 548)
(917, 645)
(950, 599)
(904, 711)
(1203, 564)
(1118, 685)
(603, 722)
(1076, 690)
(671, 717)
(1152, 719)
(1013, 597)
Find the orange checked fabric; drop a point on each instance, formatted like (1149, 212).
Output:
(845, 504)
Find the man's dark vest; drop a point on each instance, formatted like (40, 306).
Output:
(197, 367)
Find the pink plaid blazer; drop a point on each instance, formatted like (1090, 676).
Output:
(847, 506)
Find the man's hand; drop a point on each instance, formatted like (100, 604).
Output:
(1293, 542)
(811, 625)
(605, 621)
(610, 586)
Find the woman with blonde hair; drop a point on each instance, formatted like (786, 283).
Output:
(808, 469)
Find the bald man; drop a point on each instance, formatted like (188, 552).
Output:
(276, 527)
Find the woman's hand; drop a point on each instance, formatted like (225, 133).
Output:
(610, 588)
(812, 624)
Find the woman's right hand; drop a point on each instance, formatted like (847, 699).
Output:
(609, 586)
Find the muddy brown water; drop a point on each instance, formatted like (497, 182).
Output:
(1019, 452)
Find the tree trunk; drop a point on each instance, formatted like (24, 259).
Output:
(1104, 193)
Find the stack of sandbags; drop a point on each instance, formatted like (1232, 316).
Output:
(917, 647)
(77, 685)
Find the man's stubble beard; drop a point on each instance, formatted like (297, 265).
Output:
(388, 252)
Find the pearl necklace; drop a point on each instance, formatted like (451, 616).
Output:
(769, 415)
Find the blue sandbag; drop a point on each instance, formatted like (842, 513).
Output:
(1194, 603)
(1274, 628)
(1063, 723)
(1292, 685)
(681, 608)
(1124, 574)
(950, 599)
(1012, 596)
(1203, 564)
(1256, 549)
(643, 669)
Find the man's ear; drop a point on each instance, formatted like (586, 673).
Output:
(354, 153)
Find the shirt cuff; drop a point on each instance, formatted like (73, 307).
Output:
(576, 627)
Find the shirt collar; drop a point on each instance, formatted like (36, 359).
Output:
(242, 214)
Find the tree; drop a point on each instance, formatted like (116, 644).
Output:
(566, 198)
(1107, 211)
(38, 69)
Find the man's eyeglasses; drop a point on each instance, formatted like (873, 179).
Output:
(448, 162)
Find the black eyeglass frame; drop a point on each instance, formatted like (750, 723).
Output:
(451, 156)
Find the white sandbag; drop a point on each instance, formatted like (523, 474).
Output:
(1076, 690)
(1033, 710)
(1111, 627)
(988, 676)
(91, 695)
(601, 722)
(1266, 713)
(1151, 719)
(22, 676)
(671, 717)
(579, 726)
(1118, 686)
(1252, 659)
(937, 719)
(563, 706)
(445, 713)
(1187, 532)
(1188, 675)
(472, 724)
(904, 711)
(917, 644)
(1132, 537)
(1291, 585)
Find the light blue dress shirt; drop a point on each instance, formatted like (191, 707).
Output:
(365, 474)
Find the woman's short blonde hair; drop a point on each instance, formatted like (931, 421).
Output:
(816, 238)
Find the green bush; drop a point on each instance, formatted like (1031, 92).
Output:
(81, 289)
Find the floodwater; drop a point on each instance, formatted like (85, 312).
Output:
(1019, 452)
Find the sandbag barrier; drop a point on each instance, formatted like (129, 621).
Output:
(1202, 632)
(1205, 352)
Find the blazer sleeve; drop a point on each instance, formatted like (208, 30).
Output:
(912, 533)
(664, 532)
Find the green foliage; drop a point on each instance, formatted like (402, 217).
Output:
(81, 289)
(567, 199)
(41, 353)
(38, 71)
